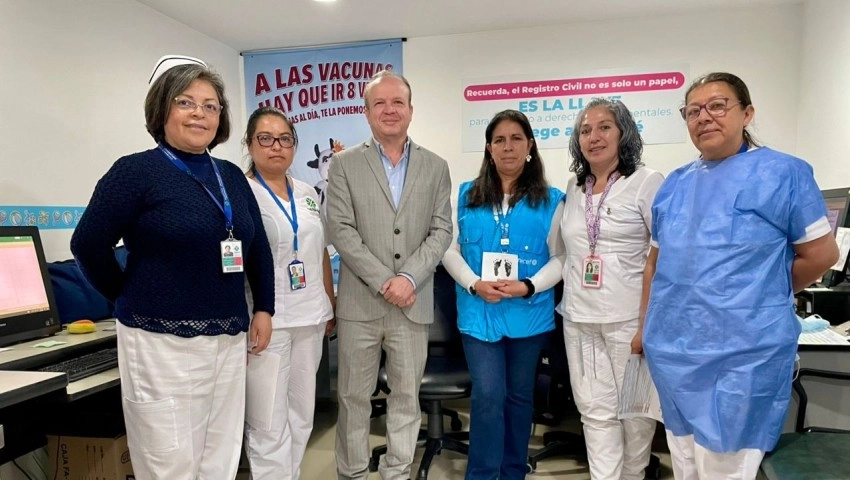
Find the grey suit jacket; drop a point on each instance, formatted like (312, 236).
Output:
(375, 242)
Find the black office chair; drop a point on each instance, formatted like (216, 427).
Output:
(809, 452)
(446, 378)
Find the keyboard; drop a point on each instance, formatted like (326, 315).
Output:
(85, 365)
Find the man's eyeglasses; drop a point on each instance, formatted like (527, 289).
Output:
(266, 140)
(189, 106)
(716, 107)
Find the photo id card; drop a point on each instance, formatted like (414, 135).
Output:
(591, 272)
(499, 266)
(297, 277)
(231, 256)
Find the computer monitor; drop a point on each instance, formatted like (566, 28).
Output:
(27, 307)
(837, 206)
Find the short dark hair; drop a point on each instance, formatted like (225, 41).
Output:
(737, 85)
(382, 75)
(487, 187)
(251, 129)
(629, 150)
(169, 85)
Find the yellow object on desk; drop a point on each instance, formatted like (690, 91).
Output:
(82, 326)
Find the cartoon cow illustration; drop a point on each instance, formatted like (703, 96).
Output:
(322, 163)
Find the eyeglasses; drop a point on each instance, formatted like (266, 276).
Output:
(266, 140)
(189, 106)
(716, 107)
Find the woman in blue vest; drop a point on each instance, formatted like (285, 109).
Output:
(507, 257)
(734, 234)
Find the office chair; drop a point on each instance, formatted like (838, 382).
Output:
(446, 378)
(809, 452)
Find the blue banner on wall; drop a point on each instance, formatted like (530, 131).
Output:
(321, 91)
(44, 217)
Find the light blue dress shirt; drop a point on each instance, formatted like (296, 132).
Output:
(395, 180)
(395, 174)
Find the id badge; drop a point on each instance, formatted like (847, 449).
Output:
(591, 272)
(231, 256)
(297, 277)
(499, 266)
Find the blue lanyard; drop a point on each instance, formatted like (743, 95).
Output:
(504, 227)
(226, 209)
(293, 220)
(743, 148)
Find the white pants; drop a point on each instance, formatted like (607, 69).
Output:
(184, 403)
(276, 454)
(597, 354)
(692, 461)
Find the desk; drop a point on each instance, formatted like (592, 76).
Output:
(18, 387)
(17, 391)
(829, 401)
(31, 400)
(24, 356)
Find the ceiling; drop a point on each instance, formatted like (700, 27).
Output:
(263, 24)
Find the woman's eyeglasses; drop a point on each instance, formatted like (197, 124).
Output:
(716, 107)
(189, 106)
(266, 140)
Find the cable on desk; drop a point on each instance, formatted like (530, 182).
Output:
(15, 462)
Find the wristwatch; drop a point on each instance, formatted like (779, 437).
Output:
(472, 289)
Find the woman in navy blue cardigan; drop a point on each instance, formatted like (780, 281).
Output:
(180, 302)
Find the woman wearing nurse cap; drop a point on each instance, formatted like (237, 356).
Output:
(181, 308)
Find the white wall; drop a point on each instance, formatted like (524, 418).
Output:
(761, 45)
(73, 78)
(823, 112)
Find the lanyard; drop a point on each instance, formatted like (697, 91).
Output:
(226, 209)
(592, 221)
(504, 227)
(293, 220)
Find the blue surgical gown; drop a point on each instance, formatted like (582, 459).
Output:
(720, 334)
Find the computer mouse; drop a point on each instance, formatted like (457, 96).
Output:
(82, 326)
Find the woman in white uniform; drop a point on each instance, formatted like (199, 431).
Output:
(605, 228)
(304, 295)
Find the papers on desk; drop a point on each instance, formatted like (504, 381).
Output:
(261, 388)
(842, 238)
(638, 397)
(824, 337)
(48, 344)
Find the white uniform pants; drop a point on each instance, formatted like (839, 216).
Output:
(276, 454)
(692, 461)
(184, 403)
(597, 354)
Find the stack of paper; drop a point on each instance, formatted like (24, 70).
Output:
(638, 397)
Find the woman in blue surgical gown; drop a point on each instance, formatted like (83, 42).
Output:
(734, 234)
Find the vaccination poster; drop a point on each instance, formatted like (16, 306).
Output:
(552, 103)
(321, 90)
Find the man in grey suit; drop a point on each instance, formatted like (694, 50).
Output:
(389, 216)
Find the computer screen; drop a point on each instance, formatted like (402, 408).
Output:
(27, 306)
(837, 205)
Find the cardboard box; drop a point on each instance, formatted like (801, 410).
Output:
(89, 458)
